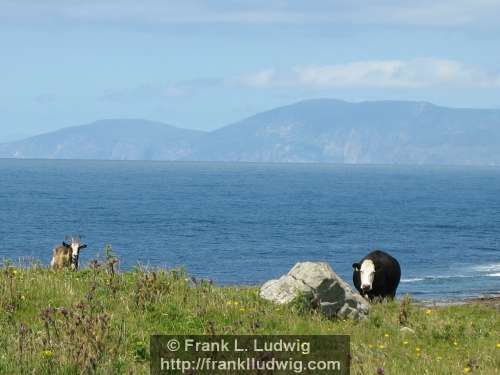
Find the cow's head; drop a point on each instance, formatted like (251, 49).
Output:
(367, 274)
(75, 244)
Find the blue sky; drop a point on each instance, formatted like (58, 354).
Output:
(205, 64)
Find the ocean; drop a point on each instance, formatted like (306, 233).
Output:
(245, 223)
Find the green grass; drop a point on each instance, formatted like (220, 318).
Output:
(93, 321)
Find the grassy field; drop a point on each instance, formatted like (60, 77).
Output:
(99, 321)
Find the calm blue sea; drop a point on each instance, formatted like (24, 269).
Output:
(247, 223)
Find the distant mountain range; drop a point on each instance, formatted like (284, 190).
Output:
(322, 130)
(120, 139)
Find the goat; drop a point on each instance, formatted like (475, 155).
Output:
(66, 255)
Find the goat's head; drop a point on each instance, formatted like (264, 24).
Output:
(75, 244)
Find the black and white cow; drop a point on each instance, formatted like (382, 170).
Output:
(377, 275)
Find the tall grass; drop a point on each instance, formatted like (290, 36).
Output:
(99, 321)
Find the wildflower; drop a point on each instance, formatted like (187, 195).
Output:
(455, 343)
(428, 312)
(498, 345)
(47, 354)
(386, 335)
(370, 346)
(381, 346)
(14, 271)
(417, 349)
(229, 303)
(242, 309)
(466, 370)
(405, 342)
(23, 298)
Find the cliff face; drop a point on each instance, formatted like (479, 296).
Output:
(370, 132)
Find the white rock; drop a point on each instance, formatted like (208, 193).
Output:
(317, 281)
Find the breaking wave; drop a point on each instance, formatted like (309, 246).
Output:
(428, 278)
(414, 280)
(487, 268)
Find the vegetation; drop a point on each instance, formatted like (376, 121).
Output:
(99, 321)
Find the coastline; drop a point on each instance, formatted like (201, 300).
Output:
(488, 299)
(492, 300)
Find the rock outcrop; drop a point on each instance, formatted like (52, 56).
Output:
(319, 284)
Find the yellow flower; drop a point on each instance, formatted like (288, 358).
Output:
(236, 303)
(229, 303)
(14, 271)
(405, 342)
(381, 346)
(466, 370)
(23, 298)
(439, 358)
(47, 354)
(370, 346)
(428, 311)
(417, 349)
(242, 309)
(455, 343)
(386, 335)
(498, 345)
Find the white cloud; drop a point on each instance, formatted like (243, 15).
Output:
(162, 91)
(436, 13)
(261, 79)
(147, 92)
(376, 74)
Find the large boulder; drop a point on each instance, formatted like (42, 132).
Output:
(317, 282)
